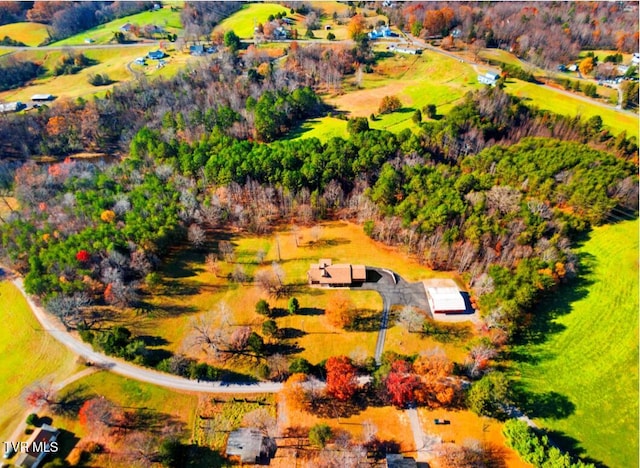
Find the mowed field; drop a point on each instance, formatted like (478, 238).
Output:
(31, 34)
(28, 354)
(189, 291)
(592, 360)
(102, 34)
(243, 21)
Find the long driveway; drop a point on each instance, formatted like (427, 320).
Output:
(55, 329)
(394, 291)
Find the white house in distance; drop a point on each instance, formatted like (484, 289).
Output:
(444, 297)
(489, 78)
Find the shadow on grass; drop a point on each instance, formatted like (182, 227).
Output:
(547, 405)
(69, 403)
(366, 320)
(66, 442)
(198, 456)
(285, 349)
(542, 324)
(571, 445)
(320, 243)
(310, 311)
(288, 333)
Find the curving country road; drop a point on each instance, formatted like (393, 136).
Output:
(55, 329)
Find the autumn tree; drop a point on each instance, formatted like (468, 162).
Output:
(389, 104)
(401, 383)
(586, 65)
(438, 387)
(41, 394)
(294, 391)
(341, 378)
(100, 416)
(339, 310)
(356, 27)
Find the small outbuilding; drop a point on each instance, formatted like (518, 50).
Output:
(250, 446)
(444, 297)
(489, 78)
(156, 55)
(15, 106)
(197, 50)
(42, 97)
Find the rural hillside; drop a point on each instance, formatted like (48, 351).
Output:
(319, 234)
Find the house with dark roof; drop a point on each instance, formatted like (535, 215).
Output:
(156, 54)
(250, 446)
(396, 460)
(325, 273)
(41, 443)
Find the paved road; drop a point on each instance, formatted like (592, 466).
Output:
(55, 329)
(394, 291)
(424, 444)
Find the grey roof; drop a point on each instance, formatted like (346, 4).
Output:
(250, 445)
(396, 460)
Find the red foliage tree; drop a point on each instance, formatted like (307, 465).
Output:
(100, 415)
(402, 383)
(83, 256)
(341, 378)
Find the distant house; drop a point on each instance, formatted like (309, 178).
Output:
(325, 273)
(125, 28)
(445, 298)
(573, 67)
(635, 59)
(280, 33)
(250, 446)
(408, 50)
(489, 78)
(38, 446)
(88, 40)
(156, 55)
(196, 50)
(15, 106)
(396, 460)
(383, 31)
(42, 97)
(140, 61)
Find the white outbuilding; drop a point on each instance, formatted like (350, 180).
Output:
(445, 298)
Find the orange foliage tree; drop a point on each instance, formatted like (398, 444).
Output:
(437, 389)
(356, 26)
(339, 311)
(294, 392)
(341, 378)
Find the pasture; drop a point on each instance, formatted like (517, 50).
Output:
(579, 365)
(28, 355)
(563, 103)
(103, 34)
(31, 34)
(244, 20)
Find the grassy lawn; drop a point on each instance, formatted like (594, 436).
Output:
(189, 290)
(585, 362)
(548, 99)
(31, 34)
(6, 205)
(111, 61)
(130, 394)
(102, 34)
(466, 427)
(243, 21)
(28, 354)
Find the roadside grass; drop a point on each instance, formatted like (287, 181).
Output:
(4, 51)
(560, 103)
(468, 428)
(244, 20)
(28, 355)
(601, 54)
(103, 33)
(188, 291)
(112, 61)
(579, 367)
(31, 34)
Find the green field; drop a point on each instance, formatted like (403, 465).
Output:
(560, 103)
(31, 34)
(103, 34)
(587, 363)
(28, 354)
(243, 21)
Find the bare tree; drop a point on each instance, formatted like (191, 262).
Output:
(211, 264)
(278, 367)
(238, 274)
(196, 235)
(411, 319)
(226, 251)
(263, 421)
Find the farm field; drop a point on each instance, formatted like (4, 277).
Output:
(112, 61)
(244, 20)
(560, 103)
(103, 34)
(31, 34)
(586, 360)
(28, 355)
(188, 290)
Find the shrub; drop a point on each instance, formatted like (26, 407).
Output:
(262, 308)
(389, 104)
(331, 36)
(320, 434)
(32, 419)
